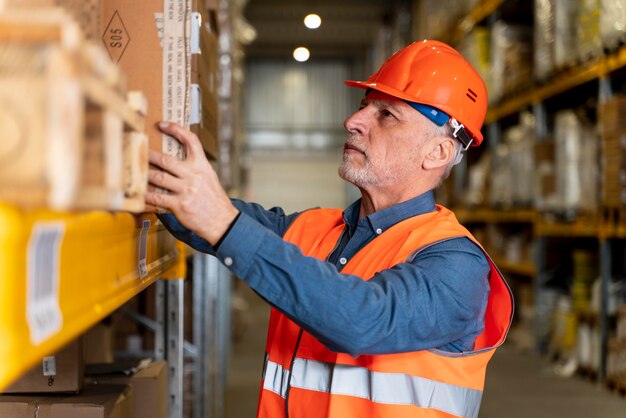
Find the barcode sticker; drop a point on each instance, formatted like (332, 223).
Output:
(50, 366)
(43, 312)
(143, 249)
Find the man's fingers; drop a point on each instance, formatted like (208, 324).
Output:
(164, 180)
(160, 200)
(167, 162)
(185, 136)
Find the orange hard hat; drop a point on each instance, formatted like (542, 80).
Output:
(435, 74)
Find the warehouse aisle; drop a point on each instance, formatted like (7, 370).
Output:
(519, 385)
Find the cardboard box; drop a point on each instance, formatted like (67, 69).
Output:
(85, 12)
(61, 372)
(612, 115)
(106, 401)
(133, 34)
(99, 343)
(149, 387)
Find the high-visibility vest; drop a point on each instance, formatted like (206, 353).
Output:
(301, 374)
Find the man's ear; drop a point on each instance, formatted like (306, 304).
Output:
(440, 155)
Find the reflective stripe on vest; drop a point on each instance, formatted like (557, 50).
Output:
(384, 388)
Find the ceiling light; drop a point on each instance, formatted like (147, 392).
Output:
(312, 21)
(301, 54)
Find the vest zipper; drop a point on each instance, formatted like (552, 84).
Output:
(293, 360)
(295, 350)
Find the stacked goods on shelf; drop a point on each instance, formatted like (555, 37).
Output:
(61, 372)
(513, 166)
(565, 33)
(543, 52)
(55, 388)
(207, 76)
(589, 42)
(104, 401)
(585, 271)
(148, 380)
(563, 334)
(588, 345)
(576, 165)
(511, 59)
(442, 16)
(612, 23)
(613, 155)
(545, 196)
(172, 58)
(475, 49)
(85, 375)
(73, 140)
(616, 354)
(85, 12)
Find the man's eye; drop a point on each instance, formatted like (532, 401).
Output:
(386, 113)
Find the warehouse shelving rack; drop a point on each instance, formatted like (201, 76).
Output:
(602, 230)
(63, 272)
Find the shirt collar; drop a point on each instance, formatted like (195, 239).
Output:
(386, 218)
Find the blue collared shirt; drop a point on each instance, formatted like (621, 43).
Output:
(437, 300)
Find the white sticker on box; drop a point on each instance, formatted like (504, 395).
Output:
(49, 366)
(142, 266)
(176, 69)
(43, 264)
(194, 39)
(195, 116)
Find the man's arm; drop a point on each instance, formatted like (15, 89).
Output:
(274, 219)
(438, 300)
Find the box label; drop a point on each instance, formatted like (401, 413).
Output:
(43, 312)
(49, 366)
(176, 69)
(115, 37)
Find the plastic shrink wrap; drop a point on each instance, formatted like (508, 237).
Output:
(543, 39)
(512, 183)
(521, 140)
(576, 165)
(613, 23)
(565, 33)
(442, 16)
(511, 59)
(589, 41)
(475, 48)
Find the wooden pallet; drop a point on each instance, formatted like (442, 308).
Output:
(73, 138)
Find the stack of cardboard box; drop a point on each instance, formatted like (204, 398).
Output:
(611, 117)
(58, 388)
(74, 139)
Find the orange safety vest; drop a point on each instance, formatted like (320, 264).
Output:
(302, 374)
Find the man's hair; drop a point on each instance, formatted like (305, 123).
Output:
(446, 131)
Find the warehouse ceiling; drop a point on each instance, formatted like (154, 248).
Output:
(348, 27)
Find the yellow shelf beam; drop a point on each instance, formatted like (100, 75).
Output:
(575, 77)
(579, 229)
(60, 273)
(524, 269)
(480, 12)
(495, 216)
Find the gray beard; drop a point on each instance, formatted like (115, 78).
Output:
(364, 177)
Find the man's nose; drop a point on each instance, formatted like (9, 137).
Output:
(357, 122)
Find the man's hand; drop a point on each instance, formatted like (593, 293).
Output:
(194, 193)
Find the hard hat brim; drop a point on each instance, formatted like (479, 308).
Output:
(478, 137)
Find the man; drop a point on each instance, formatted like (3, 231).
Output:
(389, 308)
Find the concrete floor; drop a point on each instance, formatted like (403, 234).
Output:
(519, 384)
